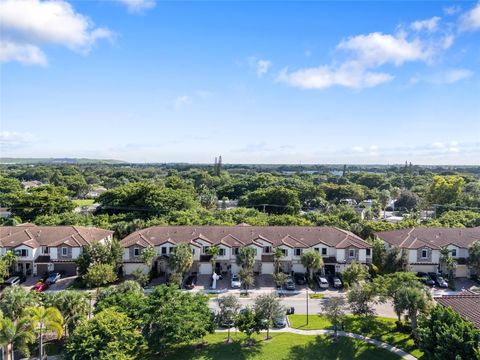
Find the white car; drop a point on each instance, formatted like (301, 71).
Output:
(235, 283)
(322, 282)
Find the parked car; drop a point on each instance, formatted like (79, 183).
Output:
(290, 310)
(336, 282)
(426, 279)
(280, 322)
(227, 324)
(322, 282)
(441, 282)
(53, 278)
(235, 282)
(40, 286)
(190, 282)
(300, 278)
(14, 280)
(289, 284)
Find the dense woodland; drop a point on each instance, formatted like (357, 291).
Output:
(138, 196)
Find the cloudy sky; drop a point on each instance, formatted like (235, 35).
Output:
(257, 82)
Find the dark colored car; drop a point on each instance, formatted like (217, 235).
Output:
(290, 310)
(190, 282)
(280, 322)
(300, 278)
(289, 284)
(335, 281)
(426, 279)
(441, 282)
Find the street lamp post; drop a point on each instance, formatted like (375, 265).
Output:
(307, 303)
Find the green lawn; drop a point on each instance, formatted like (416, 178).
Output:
(380, 328)
(83, 202)
(281, 346)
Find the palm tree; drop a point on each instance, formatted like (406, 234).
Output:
(73, 305)
(277, 255)
(384, 198)
(246, 257)
(312, 261)
(48, 319)
(17, 334)
(214, 251)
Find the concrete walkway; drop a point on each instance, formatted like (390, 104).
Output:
(393, 349)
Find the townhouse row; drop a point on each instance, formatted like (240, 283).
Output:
(41, 249)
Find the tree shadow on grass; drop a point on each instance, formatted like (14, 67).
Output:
(324, 347)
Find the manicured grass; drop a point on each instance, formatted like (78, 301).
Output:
(281, 346)
(316, 296)
(380, 328)
(83, 202)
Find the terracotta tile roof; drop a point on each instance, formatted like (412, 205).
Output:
(35, 236)
(435, 238)
(467, 304)
(292, 236)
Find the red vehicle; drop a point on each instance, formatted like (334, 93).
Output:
(40, 287)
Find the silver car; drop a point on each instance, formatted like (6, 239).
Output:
(235, 283)
(322, 282)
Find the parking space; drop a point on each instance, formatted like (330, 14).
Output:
(264, 282)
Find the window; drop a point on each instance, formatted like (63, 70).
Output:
(368, 252)
(45, 250)
(454, 252)
(193, 251)
(21, 252)
(351, 253)
(235, 250)
(267, 249)
(205, 249)
(316, 249)
(136, 251)
(298, 252)
(170, 249)
(424, 253)
(221, 252)
(324, 251)
(164, 250)
(284, 252)
(256, 251)
(64, 251)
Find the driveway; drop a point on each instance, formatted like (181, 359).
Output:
(62, 284)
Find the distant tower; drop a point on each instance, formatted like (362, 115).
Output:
(219, 165)
(344, 170)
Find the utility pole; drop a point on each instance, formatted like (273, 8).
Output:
(307, 302)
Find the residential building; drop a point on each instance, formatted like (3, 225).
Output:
(338, 247)
(423, 246)
(466, 304)
(41, 249)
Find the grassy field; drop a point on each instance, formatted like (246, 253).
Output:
(83, 202)
(281, 346)
(380, 328)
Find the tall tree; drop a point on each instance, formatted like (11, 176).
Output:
(277, 256)
(474, 257)
(14, 300)
(447, 263)
(414, 301)
(443, 334)
(18, 334)
(268, 308)
(181, 260)
(312, 261)
(361, 299)
(229, 307)
(248, 323)
(384, 198)
(246, 257)
(45, 319)
(73, 305)
(335, 311)
(213, 251)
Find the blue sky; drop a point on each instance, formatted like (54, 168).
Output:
(257, 82)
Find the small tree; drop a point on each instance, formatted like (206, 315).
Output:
(335, 311)
(213, 251)
(46, 320)
(229, 307)
(99, 274)
(353, 274)
(443, 334)
(312, 261)
(140, 277)
(248, 323)
(447, 264)
(246, 278)
(246, 257)
(147, 256)
(268, 308)
(414, 300)
(474, 257)
(181, 260)
(277, 256)
(384, 198)
(361, 299)
(280, 279)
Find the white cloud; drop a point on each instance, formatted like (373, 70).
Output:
(452, 10)
(349, 75)
(262, 67)
(137, 6)
(12, 139)
(181, 102)
(453, 76)
(23, 53)
(428, 24)
(470, 21)
(376, 49)
(358, 149)
(29, 24)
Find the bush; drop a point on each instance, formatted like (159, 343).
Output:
(99, 275)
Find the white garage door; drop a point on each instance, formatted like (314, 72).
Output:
(129, 268)
(461, 271)
(424, 268)
(205, 269)
(267, 268)
(298, 268)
